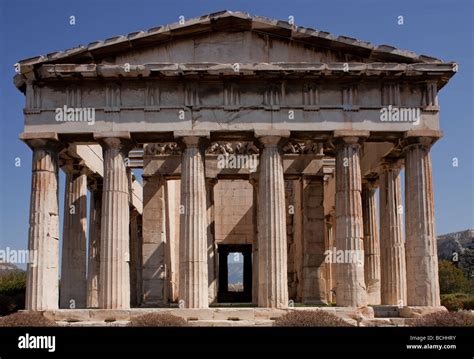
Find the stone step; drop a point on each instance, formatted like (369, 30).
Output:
(386, 311)
(90, 323)
(385, 322)
(230, 323)
(191, 323)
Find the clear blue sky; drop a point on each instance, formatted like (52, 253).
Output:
(442, 29)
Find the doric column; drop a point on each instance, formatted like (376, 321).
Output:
(73, 291)
(330, 267)
(421, 251)
(272, 244)
(392, 246)
(43, 236)
(350, 290)
(211, 246)
(254, 182)
(371, 241)
(114, 280)
(93, 268)
(193, 281)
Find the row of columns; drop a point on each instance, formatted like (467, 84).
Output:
(396, 271)
(108, 282)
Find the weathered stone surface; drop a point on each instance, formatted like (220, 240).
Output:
(421, 251)
(272, 250)
(211, 242)
(313, 259)
(371, 242)
(417, 311)
(93, 267)
(392, 244)
(73, 293)
(351, 291)
(193, 281)
(43, 236)
(209, 88)
(154, 241)
(114, 278)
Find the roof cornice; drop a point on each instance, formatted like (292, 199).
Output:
(230, 20)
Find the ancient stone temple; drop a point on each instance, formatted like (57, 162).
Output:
(231, 134)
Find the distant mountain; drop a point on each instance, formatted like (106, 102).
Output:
(458, 247)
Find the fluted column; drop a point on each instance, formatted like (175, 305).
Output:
(73, 291)
(114, 277)
(350, 290)
(211, 245)
(392, 244)
(93, 268)
(272, 243)
(43, 235)
(254, 182)
(193, 281)
(371, 242)
(421, 251)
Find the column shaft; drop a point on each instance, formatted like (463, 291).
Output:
(421, 251)
(392, 246)
(93, 268)
(43, 236)
(114, 288)
(211, 246)
(371, 243)
(255, 221)
(73, 292)
(272, 250)
(350, 291)
(193, 282)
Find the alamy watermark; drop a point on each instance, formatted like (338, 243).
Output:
(346, 256)
(75, 114)
(18, 256)
(28, 341)
(249, 162)
(400, 114)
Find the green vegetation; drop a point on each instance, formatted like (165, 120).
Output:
(456, 289)
(12, 291)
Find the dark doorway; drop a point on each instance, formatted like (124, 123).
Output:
(235, 265)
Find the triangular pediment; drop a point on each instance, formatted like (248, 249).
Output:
(241, 38)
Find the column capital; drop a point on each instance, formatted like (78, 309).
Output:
(391, 164)
(42, 140)
(192, 139)
(420, 138)
(350, 137)
(74, 166)
(271, 138)
(115, 140)
(371, 183)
